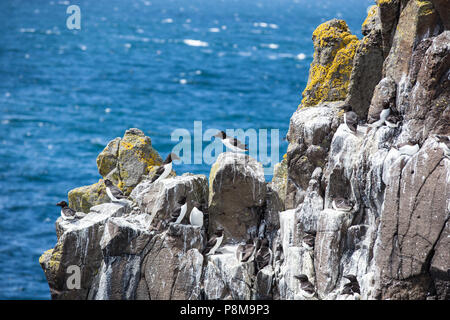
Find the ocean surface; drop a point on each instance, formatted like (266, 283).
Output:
(155, 65)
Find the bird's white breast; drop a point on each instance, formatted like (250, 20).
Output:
(182, 213)
(196, 218)
(216, 246)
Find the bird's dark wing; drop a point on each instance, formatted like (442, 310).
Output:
(347, 290)
(69, 211)
(235, 142)
(176, 212)
(262, 258)
(117, 193)
(248, 251)
(210, 244)
(158, 173)
(308, 287)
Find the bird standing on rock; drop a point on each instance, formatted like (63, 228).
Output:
(164, 170)
(263, 256)
(305, 285)
(244, 252)
(351, 287)
(180, 211)
(351, 120)
(214, 243)
(66, 212)
(114, 193)
(231, 143)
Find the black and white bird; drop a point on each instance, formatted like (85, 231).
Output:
(392, 121)
(66, 212)
(408, 148)
(245, 251)
(309, 239)
(305, 285)
(196, 216)
(164, 170)
(351, 120)
(342, 204)
(114, 193)
(351, 287)
(263, 255)
(231, 143)
(445, 140)
(381, 119)
(180, 211)
(214, 242)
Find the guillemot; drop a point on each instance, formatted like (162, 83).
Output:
(180, 211)
(231, 143)
(263, 255)
(244, 252)
(214, 243)
(305, 285)
(342, 204)
(164, 170)
(66, 212)
(114, 193)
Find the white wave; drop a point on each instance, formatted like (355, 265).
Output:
(168, 20)
(270, 45)
(214, 30)
(27, 30)
(301, 56)
(195, 43)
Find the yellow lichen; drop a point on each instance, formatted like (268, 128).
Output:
(384, 1)
(425, 7)
(329, 81)
(371, 14)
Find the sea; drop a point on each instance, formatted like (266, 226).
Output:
(163, 66)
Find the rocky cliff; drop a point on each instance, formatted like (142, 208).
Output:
(393, 236)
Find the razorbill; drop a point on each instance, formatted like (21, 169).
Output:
(214, 243)
(342, 204)
(351, 120)
(164, 170)
(263, 255)
(305, 285)
(180, 211)
(392, 121)
(408, 148)
(231, 143)
(114, 193)
(244, 252)
(351, 287)
(196, 216)
(66, 212)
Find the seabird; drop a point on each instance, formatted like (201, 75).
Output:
(309, 239)
(214, 243)
(392, 121)
(66, 212)
(244, 252)
(351, 120)
(382, 118)
(231, 143)
(263, 255)
(445, 140)
(196, 216)
(114, 193)
(180, 212)
(342, 204)
(305, 285)
(164, 170)
(408, 148)
(351, 287)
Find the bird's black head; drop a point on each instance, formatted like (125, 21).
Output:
(62, 204)
(172, 156)
(302, 277)
(108, 183)
(219, 231)
(197, 205)
(351, 277)
(347, 107)
(182, 200)
(221, 135)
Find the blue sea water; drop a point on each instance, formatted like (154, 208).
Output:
(65, 93)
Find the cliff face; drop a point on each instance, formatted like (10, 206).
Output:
(394, 239)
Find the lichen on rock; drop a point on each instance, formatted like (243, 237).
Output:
(329, 75)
